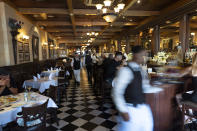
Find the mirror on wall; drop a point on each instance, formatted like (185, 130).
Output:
(35, 48)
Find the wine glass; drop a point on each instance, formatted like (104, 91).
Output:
(29, 88)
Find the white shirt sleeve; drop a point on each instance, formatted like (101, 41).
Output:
(72, 62)
(120, 83)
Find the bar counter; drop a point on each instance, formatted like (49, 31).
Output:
(163, 105)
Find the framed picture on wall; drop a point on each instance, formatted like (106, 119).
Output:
(20, 46)
(26, 47)
(35, 47)
(20, 56)
(26, 57)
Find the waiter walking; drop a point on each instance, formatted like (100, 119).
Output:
(128, 95)
(76, 66)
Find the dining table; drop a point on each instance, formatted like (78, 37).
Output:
(53, 72)
(10, 105)
(41, 84)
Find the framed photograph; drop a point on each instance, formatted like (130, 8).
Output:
(26, 57)
(35, 47)
(20, 56)
(26, 47)
(20, 46)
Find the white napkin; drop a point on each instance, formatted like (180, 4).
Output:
(57, 69)
(38, 76)
(67, 73)
(60, 69)
(51, 68)
(35, 78)
(51, 76)
(48, 70)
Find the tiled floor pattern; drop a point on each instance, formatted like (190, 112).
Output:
(82, 111)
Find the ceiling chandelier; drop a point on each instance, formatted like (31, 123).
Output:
(92, 33)
(110, 12)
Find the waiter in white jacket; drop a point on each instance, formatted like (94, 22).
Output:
(129, 87)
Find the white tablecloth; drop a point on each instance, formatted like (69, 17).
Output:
(41, 84)
(9, 113)
(47, 73)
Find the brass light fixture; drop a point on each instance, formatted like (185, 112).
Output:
(107, 14)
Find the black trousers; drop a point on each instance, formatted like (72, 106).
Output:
(89, 72)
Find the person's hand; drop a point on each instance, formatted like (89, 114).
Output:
(125, 116)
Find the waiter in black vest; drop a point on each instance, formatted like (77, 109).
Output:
(76, 66)
(129, 87)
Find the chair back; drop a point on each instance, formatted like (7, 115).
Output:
(53, 92)
(62, 74)
(35, 113)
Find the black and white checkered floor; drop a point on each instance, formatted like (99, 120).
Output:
(82, 111)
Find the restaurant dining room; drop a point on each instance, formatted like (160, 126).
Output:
(98, 65)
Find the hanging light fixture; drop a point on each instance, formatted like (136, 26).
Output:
(138, 1)
(99, 6)
(107, 2)
(88, 33)
(104, 10)
(116, 9)
(121, 6)
(109, 17)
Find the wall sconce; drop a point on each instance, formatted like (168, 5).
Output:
(56, 47)
(24, 38)
(45, 44)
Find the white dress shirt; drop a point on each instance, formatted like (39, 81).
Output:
(121, 81)
(72, 62)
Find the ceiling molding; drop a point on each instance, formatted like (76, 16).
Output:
(82, 11)
(72, 17)
(84, 23)
(80, 30)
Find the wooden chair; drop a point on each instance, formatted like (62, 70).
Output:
(186, 106)
(52, 93)
(32, 114)
(62, 84)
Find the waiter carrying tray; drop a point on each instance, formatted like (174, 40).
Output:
(128, 94)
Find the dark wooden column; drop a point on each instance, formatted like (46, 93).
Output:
(119, 45)
(128, 46)
(156, 39)
(184, 33)
(137, 40)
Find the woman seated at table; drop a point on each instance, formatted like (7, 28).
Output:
(192, 70)
(7, 85)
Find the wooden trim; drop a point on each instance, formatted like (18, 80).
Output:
(82, 11)
(72, 17)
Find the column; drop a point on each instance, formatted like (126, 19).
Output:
(119, 45)
(155, 45)
(128, 46)
(184, 33)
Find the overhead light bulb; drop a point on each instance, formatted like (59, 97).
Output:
(193, 33)
(99, 6)
(96, 34)
(104, 10)
(88, 33)
(116, 9)
(121, 6)
(93, 33)
(107, 2)
(138, 1)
